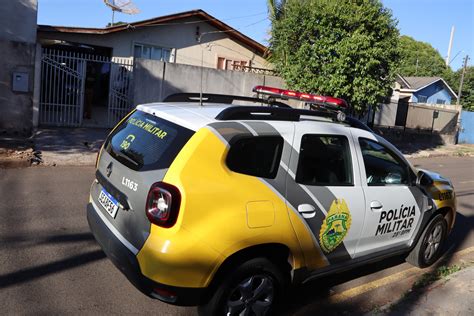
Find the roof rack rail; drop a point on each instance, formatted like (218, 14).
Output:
(284, 114)
(222, 98)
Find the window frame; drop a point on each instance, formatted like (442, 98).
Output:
(232, 63)
(278, 157)
(350, 162)
(399, 160)
(151, 47)
(422, 96)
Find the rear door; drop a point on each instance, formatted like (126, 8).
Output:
(136, 155)
(324, 188)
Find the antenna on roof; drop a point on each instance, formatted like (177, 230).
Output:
(122, 6)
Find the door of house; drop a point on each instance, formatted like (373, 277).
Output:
(79, 89)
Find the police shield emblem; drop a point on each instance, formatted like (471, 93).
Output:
(335, 226)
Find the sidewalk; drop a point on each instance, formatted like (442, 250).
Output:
(453, 295)
(411, 151)
(69, 146)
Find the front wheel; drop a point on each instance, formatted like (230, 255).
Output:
(253, 288)
(429, 246)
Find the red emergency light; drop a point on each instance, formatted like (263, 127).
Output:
(306, 97)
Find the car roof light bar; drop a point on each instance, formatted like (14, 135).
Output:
(320, 100)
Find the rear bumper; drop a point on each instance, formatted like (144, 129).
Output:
(126, 261)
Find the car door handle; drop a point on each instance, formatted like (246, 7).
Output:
(307, 210)
(375, 205)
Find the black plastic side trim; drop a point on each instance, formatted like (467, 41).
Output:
(303, 276)
(127, 263)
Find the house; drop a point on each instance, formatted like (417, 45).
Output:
(430, 93)
(192, 38)
(427, 90)
(87, 73)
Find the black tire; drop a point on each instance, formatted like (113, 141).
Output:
(430, 245)
(240, 287)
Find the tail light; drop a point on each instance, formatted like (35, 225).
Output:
(162, 205)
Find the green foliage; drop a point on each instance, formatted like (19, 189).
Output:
(346, 49)
(420, 59)
(276, 8)
(467, 95)
(430, 277)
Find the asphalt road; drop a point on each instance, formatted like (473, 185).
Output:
(50, 263)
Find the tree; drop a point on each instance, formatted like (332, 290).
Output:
(467, 94)
(420, 59)
(276, 8)
(346, 49)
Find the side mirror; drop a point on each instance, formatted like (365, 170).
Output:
(423, 179)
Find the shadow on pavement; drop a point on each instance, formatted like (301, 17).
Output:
(463, 226)
(30, 274)
(13, 241)
(313, 298)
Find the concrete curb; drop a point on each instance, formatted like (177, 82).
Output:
(433, 155)
(449, 295)
(13, 163)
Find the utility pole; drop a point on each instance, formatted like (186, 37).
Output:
(450, 47)
(462, 79)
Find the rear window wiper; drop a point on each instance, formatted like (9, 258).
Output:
(127, 157)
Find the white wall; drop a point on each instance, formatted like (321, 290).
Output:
(18, 20)
(155, 80)
(17, 55)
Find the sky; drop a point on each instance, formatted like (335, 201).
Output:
(425, 20)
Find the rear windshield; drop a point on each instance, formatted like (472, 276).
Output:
(146, 142)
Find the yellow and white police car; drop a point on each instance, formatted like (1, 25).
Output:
(224, 206)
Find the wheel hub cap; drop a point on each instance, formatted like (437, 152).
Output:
(252, 296)
(433, 241)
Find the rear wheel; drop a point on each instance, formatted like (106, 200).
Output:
(429, 246)
(253, 288)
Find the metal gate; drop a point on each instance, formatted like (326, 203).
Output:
(120, 89)
(63, 79)
(466, 133)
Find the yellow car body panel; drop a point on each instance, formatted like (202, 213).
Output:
(218, 215)
(443, 196)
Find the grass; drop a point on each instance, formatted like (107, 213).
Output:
(431, 277)
(424, 281)
(464, 150)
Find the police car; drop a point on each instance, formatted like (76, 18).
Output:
(223, 206)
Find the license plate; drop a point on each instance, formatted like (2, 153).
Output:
(108, 203)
